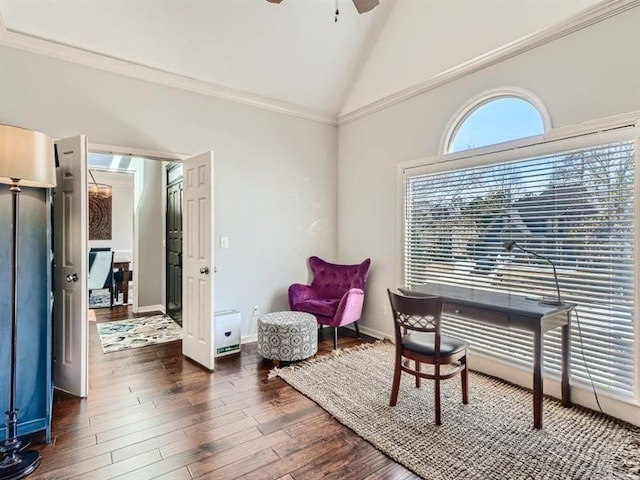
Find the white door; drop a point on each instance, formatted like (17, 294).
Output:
(71, 360)
(198, 261)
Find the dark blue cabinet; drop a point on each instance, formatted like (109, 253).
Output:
(34, 388)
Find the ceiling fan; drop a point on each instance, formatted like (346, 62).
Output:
(361, 5)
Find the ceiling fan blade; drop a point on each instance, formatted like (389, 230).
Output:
(361, 5)
(364, 5)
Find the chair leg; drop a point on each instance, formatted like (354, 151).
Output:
(465, 380)
(335, 338)
(437, 394)
(417, 377)
(357, 329)
(396, 379)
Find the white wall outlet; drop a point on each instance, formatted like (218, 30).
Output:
(385, 310)
(224, 242)
(256, 310)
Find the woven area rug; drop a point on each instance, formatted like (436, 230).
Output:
(490, 438)
(138, 332)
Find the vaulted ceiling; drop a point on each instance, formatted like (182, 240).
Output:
(293, 53)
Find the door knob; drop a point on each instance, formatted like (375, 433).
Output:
(204, 270)
(72, 278)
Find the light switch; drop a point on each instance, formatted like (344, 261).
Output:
(224, 242)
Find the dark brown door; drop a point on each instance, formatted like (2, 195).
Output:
(174, 242)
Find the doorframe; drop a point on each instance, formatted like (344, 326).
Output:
(134, 152)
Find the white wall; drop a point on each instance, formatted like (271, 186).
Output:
(150, 228)
(275, 175)
(121, 213)
(590, 74)
(422, 39)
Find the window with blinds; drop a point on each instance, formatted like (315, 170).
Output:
(574, 207)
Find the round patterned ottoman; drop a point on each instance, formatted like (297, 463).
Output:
(287, 336)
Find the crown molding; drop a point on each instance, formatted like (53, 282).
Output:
(580, 20)
(107, 63)
(590, 16)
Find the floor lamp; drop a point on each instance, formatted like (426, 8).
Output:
(26, 159)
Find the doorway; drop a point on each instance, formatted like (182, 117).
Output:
(110, 236)
(71, 252)
(131, 243)
(174, 241)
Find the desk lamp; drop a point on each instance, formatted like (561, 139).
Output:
(509, 245)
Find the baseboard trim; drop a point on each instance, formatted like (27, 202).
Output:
(371, 332)
(152, 308)
(252, 338)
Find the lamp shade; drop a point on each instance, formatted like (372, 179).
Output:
(27, 156)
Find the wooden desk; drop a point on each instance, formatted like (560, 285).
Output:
(512, 311)
(124, 268)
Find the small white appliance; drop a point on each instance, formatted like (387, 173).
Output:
(227, 332)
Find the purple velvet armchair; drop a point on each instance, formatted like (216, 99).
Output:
(335, 296)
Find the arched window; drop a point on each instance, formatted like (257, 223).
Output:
(496, 118)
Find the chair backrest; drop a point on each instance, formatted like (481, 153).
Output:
(100, 269)
(332, 280)
(418, 313)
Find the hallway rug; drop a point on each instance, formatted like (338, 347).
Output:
(138, 332)
(490, 438)
(100, 299)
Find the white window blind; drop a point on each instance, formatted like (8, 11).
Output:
(575, 207)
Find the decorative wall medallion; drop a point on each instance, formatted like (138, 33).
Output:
(99, 216)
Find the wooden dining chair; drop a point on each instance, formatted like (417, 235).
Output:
(417, 322)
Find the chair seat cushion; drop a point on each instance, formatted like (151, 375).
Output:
(321, 306)
(423, 343)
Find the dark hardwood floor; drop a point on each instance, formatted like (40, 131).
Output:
(153, 414)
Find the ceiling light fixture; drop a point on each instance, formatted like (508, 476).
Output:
(361, 5)
(98, 189)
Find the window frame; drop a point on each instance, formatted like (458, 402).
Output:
(487, 97)
(589, 134)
